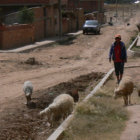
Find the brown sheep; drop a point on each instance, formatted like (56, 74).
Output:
(125, 89)
(74, 93)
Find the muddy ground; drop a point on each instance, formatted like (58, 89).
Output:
(56, 66)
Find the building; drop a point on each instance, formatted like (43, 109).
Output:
(93, 9)
(88, 5)
(14, 5)
(46, 19)
(29, 2)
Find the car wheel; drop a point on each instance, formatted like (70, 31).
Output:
(96, 32)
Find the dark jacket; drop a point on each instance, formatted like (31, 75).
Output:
(123, 56)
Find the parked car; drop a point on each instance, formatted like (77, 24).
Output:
(91, 26)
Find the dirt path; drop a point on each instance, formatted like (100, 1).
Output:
(60, 63)
(132, 131)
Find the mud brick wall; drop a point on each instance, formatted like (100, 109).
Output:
(16, 36)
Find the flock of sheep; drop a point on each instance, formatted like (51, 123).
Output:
(63, 104)
(61, 107)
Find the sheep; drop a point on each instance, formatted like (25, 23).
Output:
(74, 94)
(125, 90)
(28, 90)
(61, 107)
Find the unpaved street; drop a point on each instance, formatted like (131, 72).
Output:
(59, 63)
(86, 55)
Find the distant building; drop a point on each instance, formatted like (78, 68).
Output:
(46, 15)
(14, 5)
(88, 5)
(28, 2)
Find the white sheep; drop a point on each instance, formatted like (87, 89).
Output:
(61, 107)
(28, 90)
(125, 90)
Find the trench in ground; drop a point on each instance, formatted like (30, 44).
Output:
(17, 122)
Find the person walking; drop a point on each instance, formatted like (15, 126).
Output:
(119, 55)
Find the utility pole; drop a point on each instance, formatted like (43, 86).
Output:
(60, 18)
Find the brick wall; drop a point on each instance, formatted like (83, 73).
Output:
(101, 18)
(75, 23)
(50, 28)
(15, 36)
(8, 2)
(88, 6)
(65, 25)
(80, 16)
(39, 23)
(30, 2)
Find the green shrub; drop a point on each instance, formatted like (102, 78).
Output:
(26, 16)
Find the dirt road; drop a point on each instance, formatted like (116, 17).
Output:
(59, 63)
(56, 64)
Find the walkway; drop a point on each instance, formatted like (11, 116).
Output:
(42, 43)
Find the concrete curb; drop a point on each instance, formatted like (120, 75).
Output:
(40, 44)
(57, 134)
(134, 53)
(101, 83)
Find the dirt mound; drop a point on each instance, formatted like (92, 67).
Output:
(32, 61)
